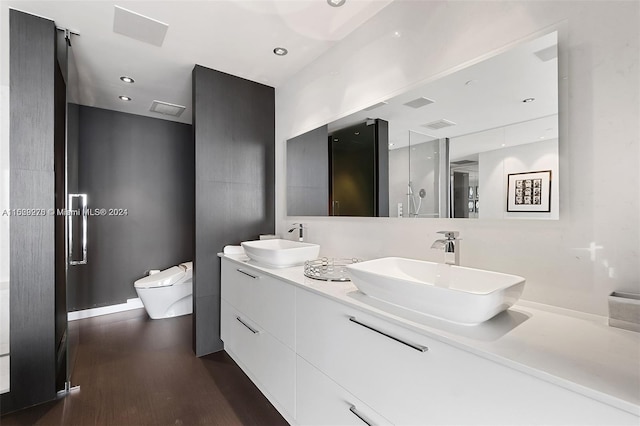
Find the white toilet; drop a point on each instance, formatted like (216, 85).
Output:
(168, 293)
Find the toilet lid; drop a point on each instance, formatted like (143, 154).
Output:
(161, 279)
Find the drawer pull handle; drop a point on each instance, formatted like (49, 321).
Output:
(411, 345)
(251, 329)
(242, 271)
(355, 411)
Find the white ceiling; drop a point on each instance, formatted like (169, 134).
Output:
(484, 100)
(236, 37)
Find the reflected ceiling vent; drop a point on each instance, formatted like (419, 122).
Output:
(547, 54)
(420, 102)
(139, 27)
(463, 162)
(374, 106)
(167, 109)
(439, 124)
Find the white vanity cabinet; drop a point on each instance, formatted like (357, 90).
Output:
(321, 401)
(411, 379)
(266, 300)
(257, 323)
(328, 362)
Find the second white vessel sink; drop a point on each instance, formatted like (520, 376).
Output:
(280, 253)
(454, 293)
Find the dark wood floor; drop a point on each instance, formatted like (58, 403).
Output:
(136, 371)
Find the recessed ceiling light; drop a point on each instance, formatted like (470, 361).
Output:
(280, 51)
(503, 144)
(357, 133)
(527, 100)
(470, 82)
(336, 3)
(397, 34)
(391, 144)
(124, 98)
(127, 79)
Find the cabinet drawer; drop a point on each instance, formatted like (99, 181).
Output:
(270, 362)
(442, 385)
(265, 300)
(320, 401)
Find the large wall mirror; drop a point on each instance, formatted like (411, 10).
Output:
(481, 142)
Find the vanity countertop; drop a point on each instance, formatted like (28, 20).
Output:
(571, 349)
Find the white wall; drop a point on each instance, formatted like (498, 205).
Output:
(577, 260)
(4, 143)
(4, 198)
(496, 165)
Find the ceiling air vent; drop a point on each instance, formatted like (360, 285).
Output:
(420, 102)
(167, 109)
(374, 106)
(439, 124)
(463, 162)
(139, 27)
(548, 53)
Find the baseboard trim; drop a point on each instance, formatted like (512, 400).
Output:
(131, 304)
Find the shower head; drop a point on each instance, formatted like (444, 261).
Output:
(422, 193)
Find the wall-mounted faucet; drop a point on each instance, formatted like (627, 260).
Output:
(300, 227)
(451, 246)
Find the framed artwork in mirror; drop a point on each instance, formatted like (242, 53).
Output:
(471, 192)
(529, 192)
(470, 206)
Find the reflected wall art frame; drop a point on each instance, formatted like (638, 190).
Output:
(529, 192)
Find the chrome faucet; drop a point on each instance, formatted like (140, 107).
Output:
(300, 227)
(451, 246)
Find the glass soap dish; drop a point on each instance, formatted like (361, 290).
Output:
(328, 269)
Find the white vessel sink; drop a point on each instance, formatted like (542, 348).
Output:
(280, 253)
(454, 293)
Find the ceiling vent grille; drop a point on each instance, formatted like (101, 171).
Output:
(139, 27)
(374, 106)
(547, 54)
(463, 162)
(439, 124)
(420, 102)
(167, 109)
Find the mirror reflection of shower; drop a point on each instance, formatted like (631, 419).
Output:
(413, 206)
(428, 176)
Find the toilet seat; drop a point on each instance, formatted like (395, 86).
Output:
(164, 278)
